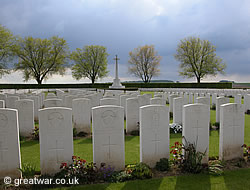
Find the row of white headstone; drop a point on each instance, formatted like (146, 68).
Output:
(56, 138)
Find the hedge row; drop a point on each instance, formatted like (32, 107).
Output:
(127, 85)
(179, 85)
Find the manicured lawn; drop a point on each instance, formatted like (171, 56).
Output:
(30, 153)
(30, 150)
(231, 180)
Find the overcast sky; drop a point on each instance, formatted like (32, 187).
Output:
(122, 25)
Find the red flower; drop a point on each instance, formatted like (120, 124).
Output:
(84, 161)
(73, 157)
(64, 164)
(244, 145)
(176, 143)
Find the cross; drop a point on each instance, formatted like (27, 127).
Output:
(2, 151)
(57, 149)
(109, 144)
(156, 141)
(116, 66)
(234, 127)
(197, 127)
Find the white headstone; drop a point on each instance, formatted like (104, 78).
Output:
(196, 120)
(51, 96)
(238, 98)
(191, 98)
(196, 95)
(220, 101)
(177, 110)
(231, 131)
(68, 100)
(214, 96)
(108, 136)
(26, 116)
(56, 138)
(10, 159)
(81, 115)
(154, 134)
(37, 106)
(3, 97)
(158, 101)
(203, 100)
(11, 102)
(171, 97)
(109, 101)
(2, 104)
(132, 114)
(52, 103)
(143, 100)
(247, 102)
(123, 99)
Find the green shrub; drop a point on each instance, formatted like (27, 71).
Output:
(82, 134)
(28, 170)
(213, 107)
(215, 168)
(170, 115)
(74, 132)
(217, 125)
(35, 134)
(162, 165)
(135, 133)
(140, 171)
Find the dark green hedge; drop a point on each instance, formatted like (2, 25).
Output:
(127, 85)
(179, 85)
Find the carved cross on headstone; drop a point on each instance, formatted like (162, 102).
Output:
(56, 149)
(197, 127)
(109, 147)
(234, 126)
(116, 66)
(156, 141)
(3, 151)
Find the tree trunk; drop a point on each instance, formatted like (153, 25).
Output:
(39, 81)
(198, 80)
(92, 81)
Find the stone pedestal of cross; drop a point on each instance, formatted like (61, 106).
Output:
(116, 82)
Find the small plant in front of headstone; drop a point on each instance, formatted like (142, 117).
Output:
(215, 167)
(85, 172)
(74, 132)
(140, 171)
(170, 115)
(213, 107)
(137, 131)
(192, 158)
(176, 150)
(163, 165)
(28, 170)
(175, 128)
(106, 172)
(35, 134)
(246, 151)
(215, 126)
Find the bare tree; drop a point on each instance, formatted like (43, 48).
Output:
(144, 62)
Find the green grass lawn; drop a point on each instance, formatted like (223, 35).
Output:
(30, 153)
(231, 180)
